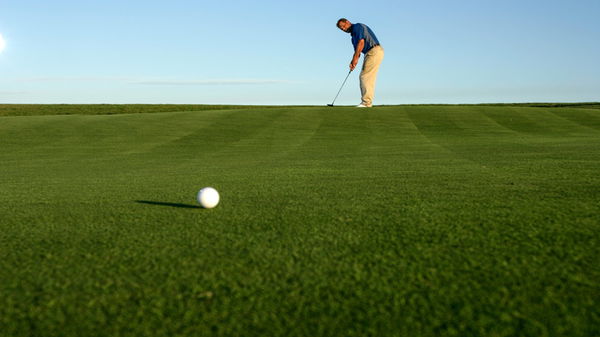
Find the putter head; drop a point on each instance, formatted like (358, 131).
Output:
(329, 104)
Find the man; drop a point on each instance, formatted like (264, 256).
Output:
(364, 41)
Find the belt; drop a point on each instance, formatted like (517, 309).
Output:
(377, 45)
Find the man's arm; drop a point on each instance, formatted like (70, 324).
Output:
(359, 48)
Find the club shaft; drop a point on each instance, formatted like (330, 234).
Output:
(338, 93)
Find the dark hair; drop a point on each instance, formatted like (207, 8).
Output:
(341, 20)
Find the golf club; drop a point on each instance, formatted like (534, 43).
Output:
(336, 96)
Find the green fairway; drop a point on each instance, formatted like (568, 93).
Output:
(391, 221)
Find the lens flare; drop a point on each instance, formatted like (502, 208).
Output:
(2, 43)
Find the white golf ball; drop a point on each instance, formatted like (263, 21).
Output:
(208, 197)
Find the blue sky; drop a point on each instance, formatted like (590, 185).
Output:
(278, 52)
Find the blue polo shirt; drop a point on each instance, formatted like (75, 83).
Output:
(361, 31)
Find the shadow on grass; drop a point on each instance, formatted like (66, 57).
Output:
(168, 204)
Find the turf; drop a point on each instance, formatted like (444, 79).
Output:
(391, 221)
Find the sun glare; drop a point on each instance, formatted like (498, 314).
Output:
(2, 43)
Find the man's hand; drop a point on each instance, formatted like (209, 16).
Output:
(353, 63)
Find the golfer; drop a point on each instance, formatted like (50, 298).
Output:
(364, 41)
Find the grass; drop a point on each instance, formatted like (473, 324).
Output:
(106, 109)
(391, 221)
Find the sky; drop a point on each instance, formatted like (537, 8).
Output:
(291, 53)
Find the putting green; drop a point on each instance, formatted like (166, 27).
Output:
(390, 221)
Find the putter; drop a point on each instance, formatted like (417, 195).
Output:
(336, 96)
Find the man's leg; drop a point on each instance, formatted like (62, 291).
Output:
(368, 75)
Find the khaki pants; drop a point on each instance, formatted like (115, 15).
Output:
(368, 74)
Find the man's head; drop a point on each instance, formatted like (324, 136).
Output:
(344, 25)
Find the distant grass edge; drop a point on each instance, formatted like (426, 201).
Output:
(113, 109)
